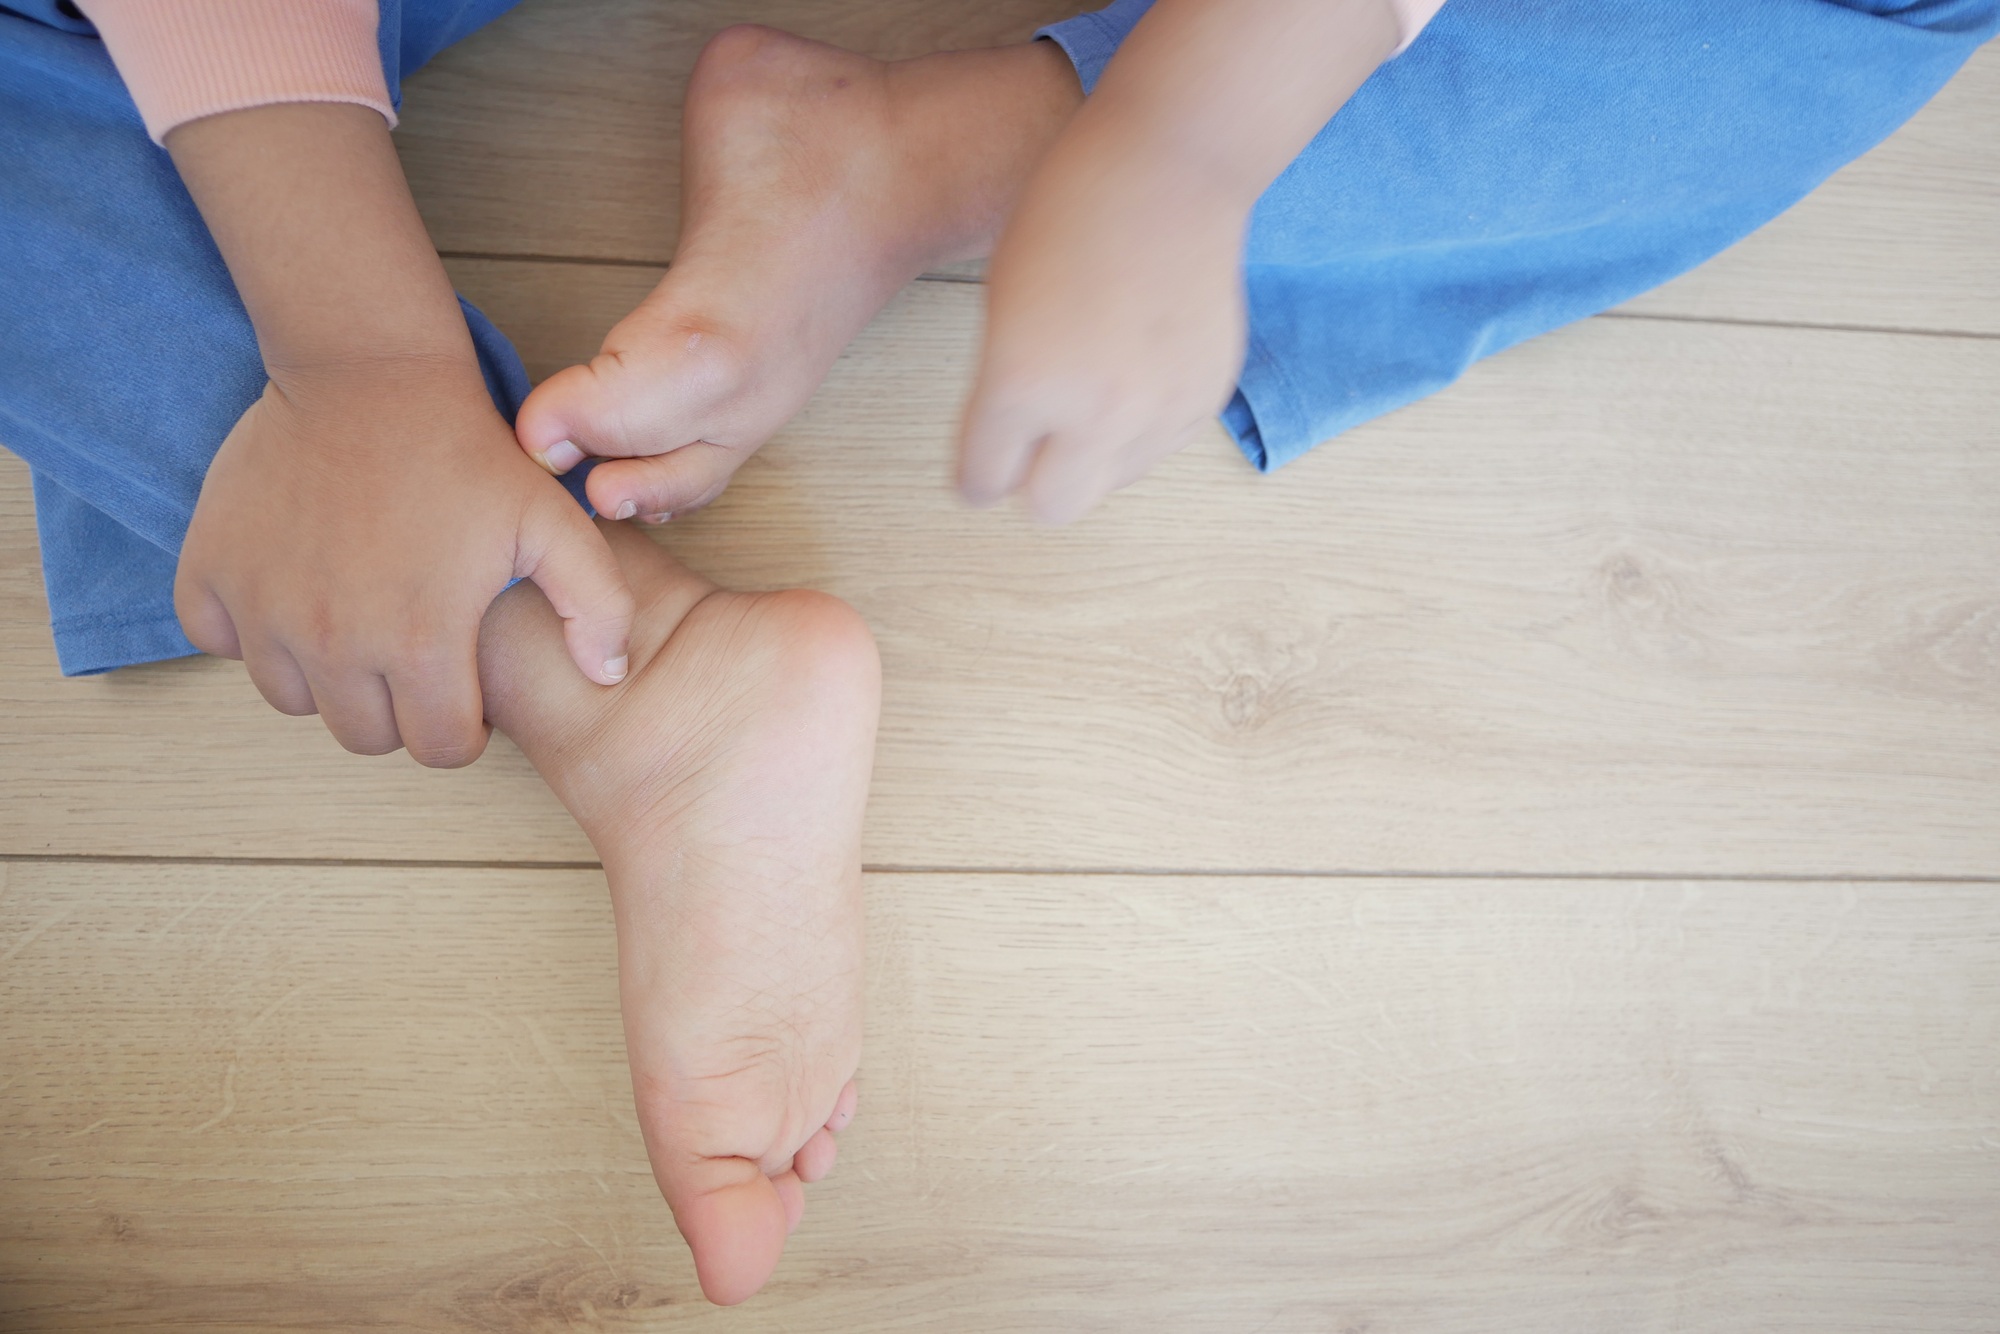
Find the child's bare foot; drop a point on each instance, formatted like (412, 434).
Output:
(723, 784)
(816, 183)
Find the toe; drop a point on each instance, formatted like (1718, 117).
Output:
(815, 1157)
(843, 1108)
(675, 482)
(563, 409)
(735, 1220)
(793, 1196)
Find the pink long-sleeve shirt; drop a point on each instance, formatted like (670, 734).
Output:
(185, 59)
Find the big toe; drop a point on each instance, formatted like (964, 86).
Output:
(735, 1220)
(569, 416)
(661, 382)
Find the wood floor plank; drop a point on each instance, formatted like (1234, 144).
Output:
(1642, 596)
(556, 132)
(336, 1099)
(1901, 238)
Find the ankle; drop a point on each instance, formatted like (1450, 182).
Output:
(974, 125)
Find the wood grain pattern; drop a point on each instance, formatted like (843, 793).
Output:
(335, 1099)
(1641, 596)
(557, 132)
(1648, 597)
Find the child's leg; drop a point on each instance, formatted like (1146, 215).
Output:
(722, 782)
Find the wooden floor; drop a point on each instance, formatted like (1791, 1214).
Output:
(1532, 865)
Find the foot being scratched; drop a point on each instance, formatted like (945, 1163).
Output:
(816, 183)
(722, 784)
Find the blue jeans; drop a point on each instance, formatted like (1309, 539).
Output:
(1527, 163)
(1524, 164)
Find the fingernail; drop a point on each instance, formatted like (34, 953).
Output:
(614, 668)
(560, 457)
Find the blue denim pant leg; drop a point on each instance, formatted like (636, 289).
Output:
(1530, 162)
(125, 355)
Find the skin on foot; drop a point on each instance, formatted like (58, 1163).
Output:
(816, 183)
(722, 784)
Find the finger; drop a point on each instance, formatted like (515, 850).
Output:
(438, 709)
(676, 482)
(354, 704)
(734, 1219)
(278, 678)
(843, 1108)
(204, 620)
(1071, 474)
(569, 560)
(996, 446)
(815, 1157)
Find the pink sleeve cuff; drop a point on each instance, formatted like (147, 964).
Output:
(1411, 16)
(185, 59)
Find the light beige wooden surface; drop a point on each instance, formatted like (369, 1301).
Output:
(1705, 600)
(316, 1098)
(1641, 596)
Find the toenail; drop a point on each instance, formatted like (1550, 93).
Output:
(560, 457)
(614, 668)
(661, 517)
(626, 509)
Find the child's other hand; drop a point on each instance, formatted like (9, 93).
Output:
(1115, 327)
(353, 529)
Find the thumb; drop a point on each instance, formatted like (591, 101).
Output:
(561, 550)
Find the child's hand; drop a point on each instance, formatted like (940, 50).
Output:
(350, 534)
(1116, 319)
(364, 512)
(1114, 328)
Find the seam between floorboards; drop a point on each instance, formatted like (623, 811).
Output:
(1827, 327)
(589, 261)
(1074, 872)
(1614, 314)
